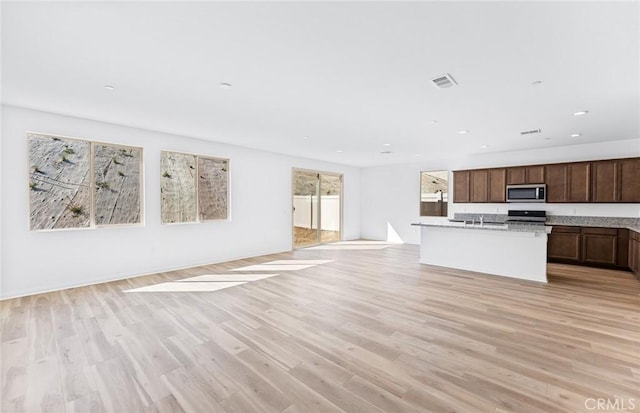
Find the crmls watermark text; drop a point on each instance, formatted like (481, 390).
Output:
(605, 404)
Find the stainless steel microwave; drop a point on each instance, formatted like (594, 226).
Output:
(526, 193)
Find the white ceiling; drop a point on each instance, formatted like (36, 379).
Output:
(350, 76)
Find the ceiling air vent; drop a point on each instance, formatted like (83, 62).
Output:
(385, 152)
(530, 132)
(443, 81)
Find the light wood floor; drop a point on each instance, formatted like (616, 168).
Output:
(373, 331)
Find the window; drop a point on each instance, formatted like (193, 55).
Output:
(434, 187)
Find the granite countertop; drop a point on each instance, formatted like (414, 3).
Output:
(602, 222)
(566, 220)
(445, 223)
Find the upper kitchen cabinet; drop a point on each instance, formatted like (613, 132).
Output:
(479, 185)
(568, 182)
(556, 180)
(616, 180)
(497, 185)
(579, 182)
(604, 181)
(461, 186)
(630, 180)
(532, 174)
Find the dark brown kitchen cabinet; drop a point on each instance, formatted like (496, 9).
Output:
(556, 179)
(563, 245)
(533, 174)
(579, 182)
(497, 185)
(634, 253)
(461, 186)
(479, 185)
(616, 180)
(604, 181)
(568, 182)
(603, 247)
(515, 176)
(600, 246)
(629, 180)
(623, 251)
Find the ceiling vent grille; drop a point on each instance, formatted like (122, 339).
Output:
(443, 81)
(530, 132)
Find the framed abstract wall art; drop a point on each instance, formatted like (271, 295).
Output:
(193, 188)
(75, 183)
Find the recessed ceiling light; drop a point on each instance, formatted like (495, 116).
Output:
(484, 146)
(536, 83)
(225, 85)
(463, 131)
(434, 121)
(339, 151)
(387, 144)
(305, 137)
(582, 112)
(109, 87)
(575, 135)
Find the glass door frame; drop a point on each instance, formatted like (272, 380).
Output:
(319, 208)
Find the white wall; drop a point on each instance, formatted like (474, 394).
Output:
(260, 211)
(391, 194)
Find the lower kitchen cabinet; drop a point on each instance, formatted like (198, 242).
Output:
(634, 253)
(563, 245)
(603, 247)
(599, 246)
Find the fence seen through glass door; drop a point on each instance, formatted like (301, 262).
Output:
(330, 198)
(317, 208)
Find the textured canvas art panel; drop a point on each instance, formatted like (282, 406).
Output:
(178, 187)
(213, 188)
(59, 182)
(118, 184)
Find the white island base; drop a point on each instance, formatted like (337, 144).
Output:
(517, 254)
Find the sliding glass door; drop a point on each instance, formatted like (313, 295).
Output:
(330, 210)
(317, 207)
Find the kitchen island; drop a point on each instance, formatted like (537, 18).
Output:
(517, 251)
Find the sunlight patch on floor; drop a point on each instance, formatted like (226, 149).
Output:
(228, 277)
(269, 267)
(283, 265)
(349, 247)
(171, 287)
(215, 282)
(314, 262)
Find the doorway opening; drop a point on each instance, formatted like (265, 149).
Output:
(317, 207)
